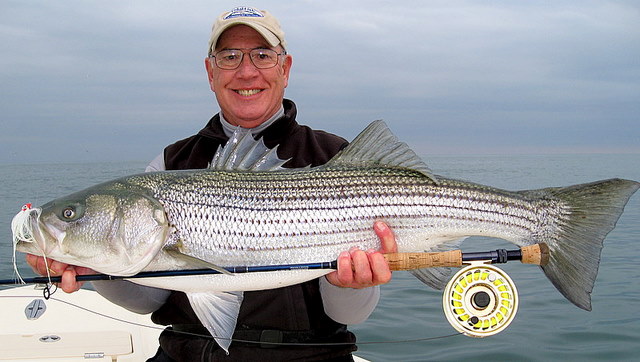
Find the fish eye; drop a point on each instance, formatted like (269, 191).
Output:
(68, 213)
(71, 212)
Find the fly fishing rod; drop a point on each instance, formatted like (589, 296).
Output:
(480, 300)
(534, 254)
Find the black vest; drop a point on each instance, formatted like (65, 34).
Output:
(289, 314)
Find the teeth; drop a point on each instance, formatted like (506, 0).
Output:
(247, 92)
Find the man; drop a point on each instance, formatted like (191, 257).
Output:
(248, 70)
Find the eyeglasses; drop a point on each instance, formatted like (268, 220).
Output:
(260, 57)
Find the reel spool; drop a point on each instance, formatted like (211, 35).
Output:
(480, 300)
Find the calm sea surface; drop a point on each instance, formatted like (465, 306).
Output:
(546, 327)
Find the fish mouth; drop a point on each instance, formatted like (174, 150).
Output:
(23, 226)
(32, 236)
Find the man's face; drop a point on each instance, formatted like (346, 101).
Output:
(248, 96)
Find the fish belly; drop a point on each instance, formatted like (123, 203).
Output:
(234, 282)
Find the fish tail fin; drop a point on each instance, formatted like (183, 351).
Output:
(592, 211)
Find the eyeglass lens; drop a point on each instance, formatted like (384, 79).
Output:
(232, 58)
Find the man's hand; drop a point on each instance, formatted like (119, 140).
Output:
(362, 269)
(56, 268)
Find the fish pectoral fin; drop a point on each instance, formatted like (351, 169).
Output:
(194, 262)
(436, 278)
(218, 312)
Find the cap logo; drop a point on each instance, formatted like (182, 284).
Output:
(244, 11)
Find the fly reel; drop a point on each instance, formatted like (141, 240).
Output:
(480, 300)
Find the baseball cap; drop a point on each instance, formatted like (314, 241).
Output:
(260, 20)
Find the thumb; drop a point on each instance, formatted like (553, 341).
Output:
(387, 238)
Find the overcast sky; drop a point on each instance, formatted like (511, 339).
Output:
(119, 80)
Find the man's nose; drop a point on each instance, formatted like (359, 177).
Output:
(246, 67)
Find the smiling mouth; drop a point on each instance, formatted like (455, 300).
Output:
(248, 92)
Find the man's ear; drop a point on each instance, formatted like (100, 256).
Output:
(208, 64)
(286, 68)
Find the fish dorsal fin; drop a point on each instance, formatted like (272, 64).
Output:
(376, 145)
(243, 152)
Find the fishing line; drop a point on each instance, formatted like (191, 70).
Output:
(46, 291)
(320, 344)
(426, 339)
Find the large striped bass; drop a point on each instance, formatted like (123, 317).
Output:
(247, 210)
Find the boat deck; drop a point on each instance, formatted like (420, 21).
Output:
(73, 327)
(77, 326)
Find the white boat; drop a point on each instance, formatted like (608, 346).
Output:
(73, 327)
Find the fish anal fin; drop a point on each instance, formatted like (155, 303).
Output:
(218, 312)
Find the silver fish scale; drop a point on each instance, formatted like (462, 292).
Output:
(259, 218)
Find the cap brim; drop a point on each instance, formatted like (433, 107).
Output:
(270, 37)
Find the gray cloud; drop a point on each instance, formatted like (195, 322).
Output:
(118, 80)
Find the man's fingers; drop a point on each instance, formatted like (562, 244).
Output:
(354, 270)
(45, 267)
(50, 267)
(381, 272)
(362, 275)
(32, 261)
(360, 269)
(344, 275)
(345, 268)
(68, 283)
(387, 239)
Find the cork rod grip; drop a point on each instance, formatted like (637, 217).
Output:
(537, 254)
(410, 261)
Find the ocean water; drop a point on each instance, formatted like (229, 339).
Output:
(408, 324)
